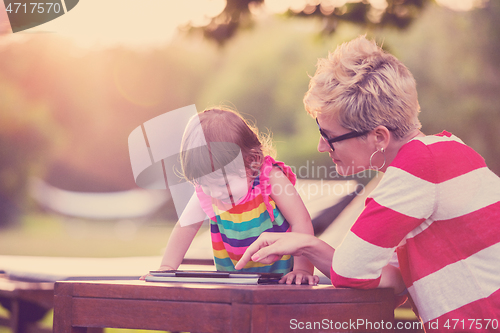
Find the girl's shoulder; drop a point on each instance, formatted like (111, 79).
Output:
(271, 164)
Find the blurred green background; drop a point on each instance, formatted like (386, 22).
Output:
(66, 110)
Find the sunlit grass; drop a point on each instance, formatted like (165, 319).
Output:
(41, 234)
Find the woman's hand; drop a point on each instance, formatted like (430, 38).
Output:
(300, 276)
(271, 246)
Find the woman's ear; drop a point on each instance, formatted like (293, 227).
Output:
(382, 136)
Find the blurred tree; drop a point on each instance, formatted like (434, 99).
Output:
(455, 58)
(369, 13)
(453, 55)
(25, 144)
(66, 113)
(484, 120)
(263, 74)
(86, 103)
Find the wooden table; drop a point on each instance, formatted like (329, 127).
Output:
(27, 302)
(197, 307)
(27, 292)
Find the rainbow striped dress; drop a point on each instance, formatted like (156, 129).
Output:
(234, 229)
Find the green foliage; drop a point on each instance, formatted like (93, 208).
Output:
(66, 113)
(70, 111)
(453, 56)
(43, 234)
(263, 74)
(25, 143)
(239, 14)
(454, 60)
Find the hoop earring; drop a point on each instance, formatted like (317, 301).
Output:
(381, 150)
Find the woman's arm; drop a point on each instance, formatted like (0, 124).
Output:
(293, 209)
(270, 246)
(391, 278)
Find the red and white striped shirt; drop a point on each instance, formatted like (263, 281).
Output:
(438, 206)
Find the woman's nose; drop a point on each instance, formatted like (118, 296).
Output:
(323, 146)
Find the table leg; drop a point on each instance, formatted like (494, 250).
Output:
(63, 307)
(24, 315)
(63, 313)
(15, 322)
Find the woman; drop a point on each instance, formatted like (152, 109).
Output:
(437, 205)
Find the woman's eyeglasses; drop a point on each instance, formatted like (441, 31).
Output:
(350, 135)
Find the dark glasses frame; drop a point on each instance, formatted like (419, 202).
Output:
(350, 135)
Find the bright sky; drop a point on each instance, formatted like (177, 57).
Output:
(137, 23)
(461, 5)
(129, 22)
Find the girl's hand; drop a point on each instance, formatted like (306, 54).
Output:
(162, 268)
(300, 276)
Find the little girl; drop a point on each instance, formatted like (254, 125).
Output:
(244, 193)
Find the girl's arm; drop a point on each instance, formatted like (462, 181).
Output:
(183, 233)
(293, 209)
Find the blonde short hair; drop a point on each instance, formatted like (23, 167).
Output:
(363, 87)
